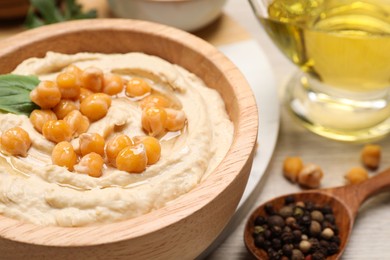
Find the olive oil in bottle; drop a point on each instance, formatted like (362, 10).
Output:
(343, 43)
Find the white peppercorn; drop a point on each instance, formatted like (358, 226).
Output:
(327, 233)
(304, 246)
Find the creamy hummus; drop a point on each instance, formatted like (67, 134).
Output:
(34, 190)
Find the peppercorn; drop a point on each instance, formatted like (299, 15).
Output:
(289, 200)
(287, 229)
(317, 215)
(276, 220)
(276, 243)
(330, 218)
(327, 233)
(318, 256)
(309, 205)
(290, 221)
(286, 211)
(305, 220)
(276, 231)
(260, 220)
(297, 226)
(287, 237)
(259, 241)
(258, 230)
(297, 235)
(333, 248)
(304, 246)
(298, 212)
(336, 240)
(326, 209)
(287, 249)
(315, 228)
(269, 209)
(297, 255)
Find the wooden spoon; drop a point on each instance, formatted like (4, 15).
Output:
(345, 202)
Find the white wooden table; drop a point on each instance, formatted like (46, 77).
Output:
(371, 235)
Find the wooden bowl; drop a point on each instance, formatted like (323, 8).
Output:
(183, 228)
(13, 9)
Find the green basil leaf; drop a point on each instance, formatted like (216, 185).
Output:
(48, 10)
(51, 11)
(15, 93)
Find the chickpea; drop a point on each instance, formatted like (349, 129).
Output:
(113, 84)
(69, 85)
(153, 120)
(93, 79)
(64, 107)
(152, 148)
(371, 156)
(78, 123)
(155, 100)
(132, 159)
(84, 93)
(91, 164)
(39, 117)
(64, 155)
(137, 87)
(310, 176)
(292, 167)
(91, 142)
(176, 119)
(356, 175)
(115, 145)
(57, 131)
(15, 141)
(74, 70)
(46, 94)
(95, 106)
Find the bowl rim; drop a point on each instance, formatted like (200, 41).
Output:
(226, 172)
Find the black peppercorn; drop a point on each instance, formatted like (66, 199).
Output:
(287, 249)
(297, 235)
(305, 220)
(276, 243)
(318, 256)
(333, 248)
(276, 231)
(269, 209)
(259, 241)
(289, 200)
(287, 237)
(300, 230)
(336, 240)
(309, 205)
(260, 220)
(330, 218)
(326, 209)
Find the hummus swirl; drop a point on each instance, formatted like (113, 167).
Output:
(34, 190)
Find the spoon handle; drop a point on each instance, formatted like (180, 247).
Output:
(358, 193)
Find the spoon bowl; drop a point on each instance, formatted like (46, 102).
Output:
(345, 202)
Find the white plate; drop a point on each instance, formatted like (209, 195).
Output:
(251, 60)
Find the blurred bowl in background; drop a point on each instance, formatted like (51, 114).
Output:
(189, 15)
